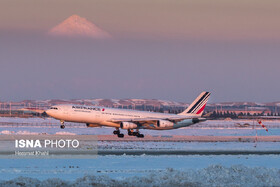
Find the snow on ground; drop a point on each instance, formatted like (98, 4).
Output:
(64, 133)
(109, 131)
(172, 170)
(107, 145)
(27, 120)
(119, 167)
(27, 132)
(208, 123)
(208, 128)
(215, 175)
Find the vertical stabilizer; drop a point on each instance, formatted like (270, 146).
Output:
(197, 107)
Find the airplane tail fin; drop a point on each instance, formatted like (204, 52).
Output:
(197, 107)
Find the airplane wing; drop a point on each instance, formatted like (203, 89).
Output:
(138, 120)
(150, 120)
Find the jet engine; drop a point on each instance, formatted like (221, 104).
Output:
(164, 123)
(128, 125)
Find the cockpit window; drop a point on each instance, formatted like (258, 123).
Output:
(54, 108)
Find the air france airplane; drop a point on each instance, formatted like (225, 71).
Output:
(131, 120)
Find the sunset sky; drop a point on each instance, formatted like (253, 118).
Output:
(163, 49)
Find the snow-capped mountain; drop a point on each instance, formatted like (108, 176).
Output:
(76, 26)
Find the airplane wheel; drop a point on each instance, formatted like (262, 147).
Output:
(120, 135)
(140, 135)
(130, 133)
(62, 126)
(135, 133)
(116, 132)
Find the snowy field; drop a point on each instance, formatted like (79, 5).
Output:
(161, 170)
(104, 145)
(208, 128)
(250, 170)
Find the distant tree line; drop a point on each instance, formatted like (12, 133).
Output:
(234, 115)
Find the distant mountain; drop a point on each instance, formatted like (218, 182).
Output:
(76, 26)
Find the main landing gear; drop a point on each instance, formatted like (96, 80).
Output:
(130, 132)
(62, 126)
(118, 132)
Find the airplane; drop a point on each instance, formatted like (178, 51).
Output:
(130, 120)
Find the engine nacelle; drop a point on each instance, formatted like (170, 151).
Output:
(128, 125)
(164, 123)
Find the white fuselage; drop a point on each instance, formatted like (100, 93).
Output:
(102, 116)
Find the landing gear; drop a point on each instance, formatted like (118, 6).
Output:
(140, 135)
(62, 126)
(137, 133)
(118, 133)
(130, 132)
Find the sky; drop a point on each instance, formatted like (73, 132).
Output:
(160, 49)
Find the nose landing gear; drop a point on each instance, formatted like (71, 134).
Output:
(62, 126)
